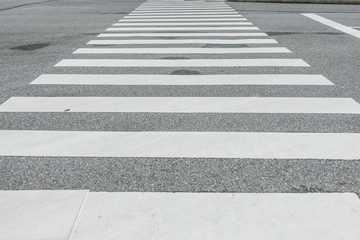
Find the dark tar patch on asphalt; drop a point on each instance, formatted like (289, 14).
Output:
(30, 47)
(185, 72)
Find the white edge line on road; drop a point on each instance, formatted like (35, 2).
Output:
(330, 23)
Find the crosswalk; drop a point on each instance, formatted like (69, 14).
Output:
(187, 39)
(181, 36)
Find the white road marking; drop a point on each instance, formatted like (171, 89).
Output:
(181, 50)
(182, 5)
(182, 41)
(333, 24)
(146, 79)
(183, 24)
(262, 145)
(38, 214)
(175, 29)
(259, 62)
(213, 216)
(182, 104)
(184, 13)
(182, 8)
(207, 34)
(185, 16)
(160, 12)
(184, 20)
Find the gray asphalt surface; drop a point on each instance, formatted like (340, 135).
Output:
(35, 35)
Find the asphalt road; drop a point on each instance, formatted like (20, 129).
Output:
(37, 35)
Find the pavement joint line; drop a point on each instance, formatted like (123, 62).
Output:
(24, 5)
(78, 216)
(333, 24)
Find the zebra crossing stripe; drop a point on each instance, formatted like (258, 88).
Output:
(184, 13)
(183, 20)
(258, 62)
(58, 210)
(146, 79)
(180, 50)
(253, 145)
(181, 8)
(171, 29)
(162, 34)
(185, 16)
(182, 104)
(185, 6)
(183, 24)
(271, 216)
(182, 41)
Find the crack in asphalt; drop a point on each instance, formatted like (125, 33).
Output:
(24, 5)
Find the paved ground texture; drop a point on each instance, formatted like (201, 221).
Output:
(179, 96)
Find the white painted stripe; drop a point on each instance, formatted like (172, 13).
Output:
(259, 62)
(333, 24)
(184, 5)
(262, 145)
(184, 13)
(182, 104)
(39, 214)
(174, 29)
(182, 41)
(185, 16)
(185, 20)
(146, 79)
(182, 8)
(208, 34)
(183, 24)
(214, 216)
(181, 50)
